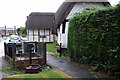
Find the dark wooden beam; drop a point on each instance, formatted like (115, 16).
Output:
(33, 34)
(44, 35)
(49, 36)
(28, 34)
(39, 35)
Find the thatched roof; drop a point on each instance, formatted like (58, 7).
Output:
(38, 20)
(63, 12)
(67, 6)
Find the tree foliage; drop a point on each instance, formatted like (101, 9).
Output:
(22, 31)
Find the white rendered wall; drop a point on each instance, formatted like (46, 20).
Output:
(36, 35)
(30, 35)
(82, 6)
(63, 38)
(49, 36)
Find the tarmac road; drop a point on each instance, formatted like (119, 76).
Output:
(3, 63)
(1, 47)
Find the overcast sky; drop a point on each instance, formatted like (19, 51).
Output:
(14, 12)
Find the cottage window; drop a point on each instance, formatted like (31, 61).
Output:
(42, 36)
(89, 7)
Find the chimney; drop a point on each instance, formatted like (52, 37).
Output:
(5, 30)
(5, 26)
(15, 27)
(14, 30)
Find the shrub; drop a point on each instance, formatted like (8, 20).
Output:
(94, 38)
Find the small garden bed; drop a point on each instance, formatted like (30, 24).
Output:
(22, 60)
(33, 68)
(46, 73)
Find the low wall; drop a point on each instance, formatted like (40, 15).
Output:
(24, 62)
(8, 59)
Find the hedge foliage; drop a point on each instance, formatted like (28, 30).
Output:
(94, 38)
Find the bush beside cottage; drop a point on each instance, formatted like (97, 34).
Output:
(94, 38)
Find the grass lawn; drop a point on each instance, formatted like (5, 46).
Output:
(51, 47)
(48, 73)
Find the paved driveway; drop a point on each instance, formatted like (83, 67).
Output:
(69, 68)
(0, 67)
(2, 47)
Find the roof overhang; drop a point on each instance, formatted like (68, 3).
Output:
(86, 1)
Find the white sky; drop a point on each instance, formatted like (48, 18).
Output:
(14, 12)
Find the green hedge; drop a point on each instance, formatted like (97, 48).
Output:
(94, 38)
